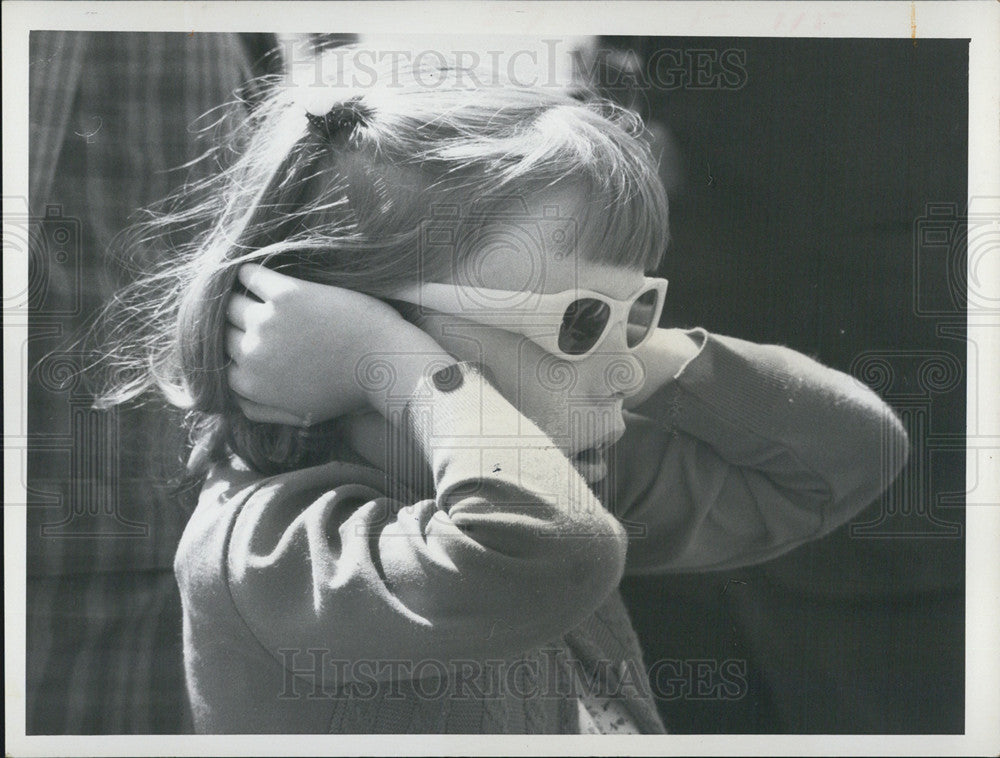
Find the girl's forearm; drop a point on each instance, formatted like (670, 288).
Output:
(412, 356)
(750, 403)
(507, 488)
(748, 452)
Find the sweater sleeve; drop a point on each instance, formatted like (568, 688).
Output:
(513, 551)
(750, 451)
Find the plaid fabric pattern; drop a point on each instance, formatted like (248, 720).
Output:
(113, 116)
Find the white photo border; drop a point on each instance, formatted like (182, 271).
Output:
(979, 21)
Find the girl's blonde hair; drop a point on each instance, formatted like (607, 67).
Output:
(346, 206)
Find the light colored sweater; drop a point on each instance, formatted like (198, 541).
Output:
(313, 602)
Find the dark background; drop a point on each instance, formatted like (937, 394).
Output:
(797, 191)
(796, 212)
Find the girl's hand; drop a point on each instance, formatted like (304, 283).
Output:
(299, 356)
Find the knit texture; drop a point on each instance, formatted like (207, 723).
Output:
(489, 604)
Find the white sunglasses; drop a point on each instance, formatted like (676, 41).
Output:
(571, 324)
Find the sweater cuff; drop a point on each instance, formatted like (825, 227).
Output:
(452, 404)
(475, 440)
(739, 383)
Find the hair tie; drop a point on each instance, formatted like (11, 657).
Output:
(341, 119)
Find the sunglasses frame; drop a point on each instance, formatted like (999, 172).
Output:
(535, 315)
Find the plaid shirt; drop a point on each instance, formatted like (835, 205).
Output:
(111, 114)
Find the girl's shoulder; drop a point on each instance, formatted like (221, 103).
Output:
(233, 480)
(233, 489)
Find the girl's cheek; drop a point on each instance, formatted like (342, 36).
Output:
(545, 388)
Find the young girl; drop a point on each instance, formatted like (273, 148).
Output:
(437, 420)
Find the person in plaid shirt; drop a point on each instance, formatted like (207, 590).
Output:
(112, 116)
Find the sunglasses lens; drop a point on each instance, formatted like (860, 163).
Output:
(582, 326)
(640, 318)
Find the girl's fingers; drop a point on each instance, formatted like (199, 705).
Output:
(264, 282)
(266, 414)
(239, 309)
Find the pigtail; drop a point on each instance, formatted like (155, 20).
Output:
(337, 125)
